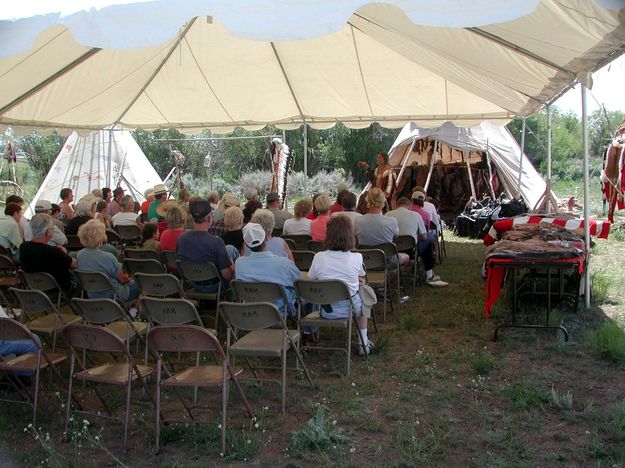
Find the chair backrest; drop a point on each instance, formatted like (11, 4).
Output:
(316, 246)
(93, 338)
(129, 233)
(183, 339)
(142, 254)
(94, 281)
(301, 240)
(7, 265)
(40, 281)
(258, 291)
(290, 243)
(198, 272)
(170, 311)
(303, 259)
(168, 257)
(277, 232)
(321, 291)
(405, 243)
(32, 301)
(99, 311)
(389, 248)
(137, 265)
(373, 259)
(158, 285)
(73, 242)
(250, 315)
(112, 237)
(12, 330)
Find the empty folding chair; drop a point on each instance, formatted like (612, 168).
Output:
(170, 311)
(192, 339)
(377, 275)
(407, 244)
(159, 285)
(300, 240)
(91, 338)
(392, 261)
(45, 283)
(267, 336)
(303, 259)
(142, 254)
(318, 293)
(139, 265)
(43, 318)
(33, 362)
(112, 316)
(129, 235)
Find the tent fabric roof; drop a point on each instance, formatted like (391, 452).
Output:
(375, 65)
(503, 150)
(106, 158)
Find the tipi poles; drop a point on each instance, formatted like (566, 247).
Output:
(586, 199)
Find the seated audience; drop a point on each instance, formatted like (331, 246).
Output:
(349, 207)
(318, 225)
(313, 213)
(339, 263)
(58, 238)
(233, 219)
(280, 215)
(430, 208)
(160, 196)
(38, 255)
(218, 226)
(149, 198)
(10, 234)
(275, 245)
(299, 225)
(114, 205)
(249, 209)
(23, 222)
(213, 198)
(18, 348)
(55, 212)
(149, 237)
(101, 214)
(92, 258)
(338, 204)
(262, 265)
(107, 195)
(67, 212)
(85, 211)
(200, 246)
(361, 206)
(175, 219)
(127, 216)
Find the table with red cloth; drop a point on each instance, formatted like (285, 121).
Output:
(542, 250)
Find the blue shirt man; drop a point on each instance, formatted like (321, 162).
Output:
(263, 266)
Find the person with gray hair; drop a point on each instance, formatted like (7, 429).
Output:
(58, 238)
(275, 245)
(37, 255)
(250, 193)
(127, 216)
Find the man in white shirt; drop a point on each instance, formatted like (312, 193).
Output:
(126, 217)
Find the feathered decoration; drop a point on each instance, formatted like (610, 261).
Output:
(280, 165)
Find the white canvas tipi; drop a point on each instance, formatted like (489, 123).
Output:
(106, 158)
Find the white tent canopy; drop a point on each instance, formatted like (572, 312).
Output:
(107, 158)
(164, 64)
(503, 151)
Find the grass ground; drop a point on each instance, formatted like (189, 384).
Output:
(439, 392)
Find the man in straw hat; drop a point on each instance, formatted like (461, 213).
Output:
(160, 196)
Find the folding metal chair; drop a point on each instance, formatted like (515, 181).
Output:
(303, 259)
(73, 243)
(277, 232)
(113, 317)
(97, 339)
(43, 318)
(30, 362)
(300, 240)
(170, 311)
(390, 251)
(169, 259)
(205, 273)
(408, 244)
(290, 243)
(142, 254)
(96, 282)
(45, 283)
(129, 235)
(258, 319)
(260, 291)
(192, 339)
(377, 275)
(136, 265)
(159, 285)
(322, 292)
(8, 279)
(316, 246)
(113, 238)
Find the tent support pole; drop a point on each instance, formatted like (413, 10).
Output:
(519, 192)
(465, 155)
(305, 158)
(586, 200)
(435, 150)
(490, 172)
(405, 159)
(546, 201)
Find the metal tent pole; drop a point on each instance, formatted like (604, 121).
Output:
(586, 199)
(305, 159)
(549, 143)
(519, 192)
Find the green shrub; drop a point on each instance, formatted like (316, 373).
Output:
(602, 282)
(318, 434)
(482, 363)
(609, 342)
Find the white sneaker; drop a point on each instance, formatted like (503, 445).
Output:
(133, 312)
(433, 279)
(370, 349)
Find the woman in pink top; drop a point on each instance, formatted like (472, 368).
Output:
(318, 226)
(175, 226)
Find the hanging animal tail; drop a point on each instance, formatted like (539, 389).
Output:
(280, 167)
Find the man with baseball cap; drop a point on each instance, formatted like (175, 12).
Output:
(199, 246)
(160, 195)
(273, 204)
(264, 266)
(57, 238)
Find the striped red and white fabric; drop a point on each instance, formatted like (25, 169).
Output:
(600, 229)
